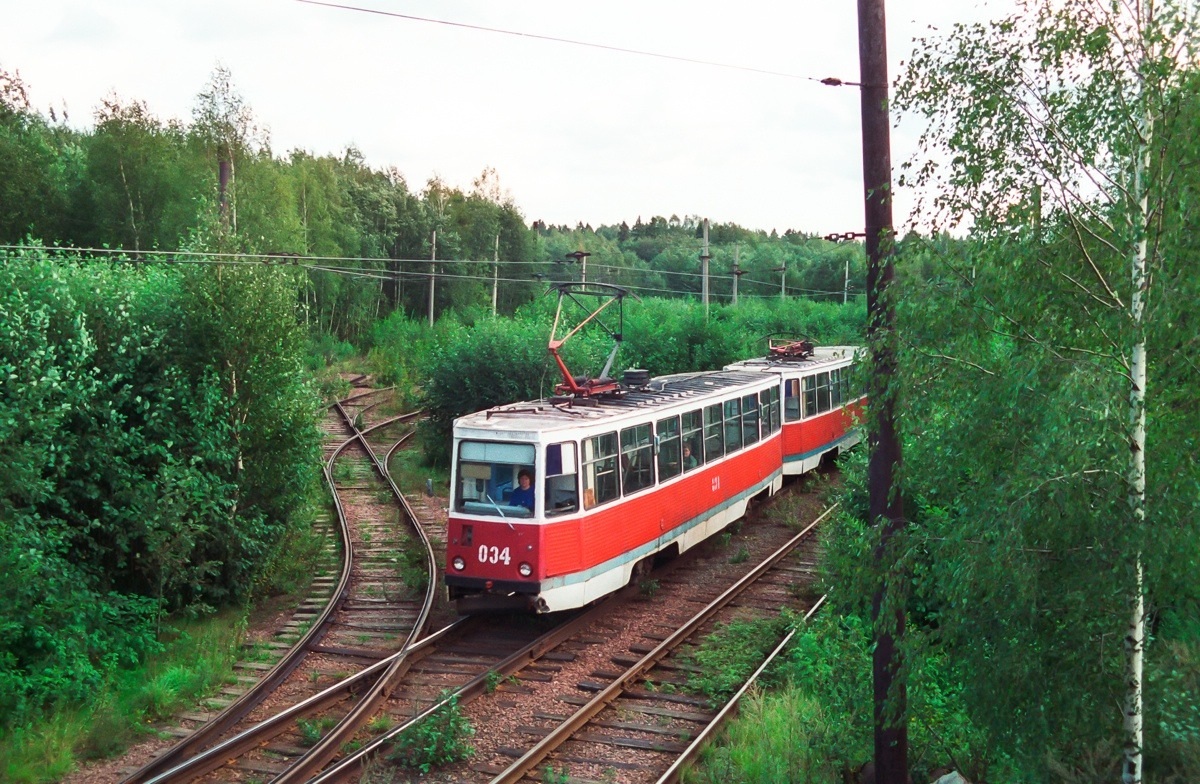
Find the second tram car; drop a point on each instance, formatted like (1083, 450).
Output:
(618, 480)
(820, 406)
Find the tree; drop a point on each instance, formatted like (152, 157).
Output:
(33, 174)
(1047, 134)
(142, 181)
(225, 126)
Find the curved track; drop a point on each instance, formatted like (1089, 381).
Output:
(349, 651)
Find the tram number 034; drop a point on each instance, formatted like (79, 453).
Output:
(494, 555)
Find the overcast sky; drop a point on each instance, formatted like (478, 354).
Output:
(576, 133)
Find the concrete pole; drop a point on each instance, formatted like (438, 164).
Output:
(704, 257)
(846, 285)
(432, 275)
(737, 270)
(496, 275)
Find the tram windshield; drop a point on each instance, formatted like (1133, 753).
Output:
(491, 479)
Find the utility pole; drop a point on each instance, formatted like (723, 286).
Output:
(704, 257)
(884, 503)
(432, 275)
(737, 270)
(846, 285)
(495, 275)
(580, 257)
(782, 281)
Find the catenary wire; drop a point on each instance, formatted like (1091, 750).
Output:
(828, 81)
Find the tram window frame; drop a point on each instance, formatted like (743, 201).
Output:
(750, 420)
(492, 468)
(668, 437)
(714, 433)
(835, 388)
(776, 423)
(732, 409)
(692, 428)
(822, 392)
(810, 396)
(562, 478)
(601, 480)
(791, 399)
(637, 463)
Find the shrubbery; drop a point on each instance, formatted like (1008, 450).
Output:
(157, 442)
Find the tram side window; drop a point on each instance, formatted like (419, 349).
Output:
(562, 478)
(750, 419)
(714, 442)
(693, 438)
(733, 425)
(600, 470)
(822, 393)
(810, 396)
(770, 409)
(791, 399)
(637, 470)
(487, 474)
(835, 388)
(667, 435)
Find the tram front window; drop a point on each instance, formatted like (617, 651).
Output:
(489, 479)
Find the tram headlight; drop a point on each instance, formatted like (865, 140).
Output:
(458, 563)
(525, 569)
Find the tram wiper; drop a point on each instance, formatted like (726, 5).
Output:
(499, 511)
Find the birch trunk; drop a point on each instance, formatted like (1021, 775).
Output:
(1136, 636)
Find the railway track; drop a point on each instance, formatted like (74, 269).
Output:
(568, 711)
(360, 684)
(352, 634)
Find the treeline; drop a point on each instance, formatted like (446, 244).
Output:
(160, 450)
(141, 184)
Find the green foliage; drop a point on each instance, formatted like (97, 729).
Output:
(496, 361)
(312, 730)
(195, 661)
(137, 481)
(1062, 135)
(553, 775)
(729, 655)
(439, 739)
(816, 724)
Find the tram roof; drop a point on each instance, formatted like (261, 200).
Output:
(659, 393)
(821, 356)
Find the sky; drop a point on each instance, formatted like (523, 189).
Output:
(576, 134)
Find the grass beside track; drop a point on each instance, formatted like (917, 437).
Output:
(196, 661)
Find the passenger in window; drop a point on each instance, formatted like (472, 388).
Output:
(689, 460)
(522, 495)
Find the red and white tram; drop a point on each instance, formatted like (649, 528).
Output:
(614, 483)
(820, 407)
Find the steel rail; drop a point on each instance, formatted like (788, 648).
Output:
(560, 734)
(353, 763)
(689, 755)
(241, 707)
(330, 745)
(216, 756)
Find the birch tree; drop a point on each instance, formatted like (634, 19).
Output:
(1047, 141)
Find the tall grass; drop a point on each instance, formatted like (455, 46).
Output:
(196, 662)
(770, 743)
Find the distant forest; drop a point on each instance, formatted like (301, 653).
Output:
(141, 184)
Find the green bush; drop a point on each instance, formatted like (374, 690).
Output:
(439, 739)
(160, 447)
